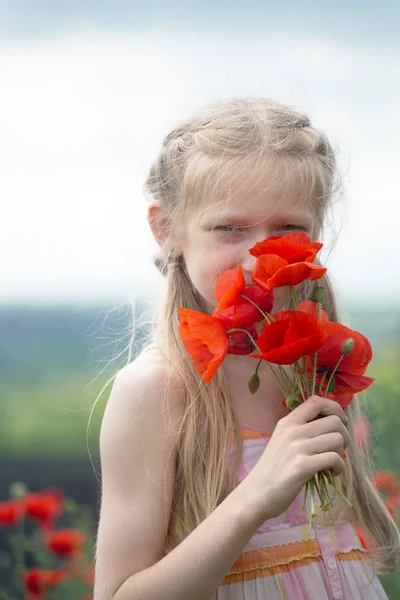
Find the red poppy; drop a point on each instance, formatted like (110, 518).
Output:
(37, 581)
(243, 312)
(44, 506)
(205, 340)
(293, 334)
(385, 481)
(293, 247)
(272, 271)
(391, 503)
(228, 287)
(240, 342)
(311, 307)
(349, 377)
(362, 429)
(286, 260)
(11, 512)
(65, 542)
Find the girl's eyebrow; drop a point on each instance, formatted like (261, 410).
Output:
(303, 215)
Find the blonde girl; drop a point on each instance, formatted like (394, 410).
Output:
(202, 484)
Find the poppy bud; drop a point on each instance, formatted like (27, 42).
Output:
(347, 346)
(17, 489)
(254, 383)
(319, 293)
(292, 401)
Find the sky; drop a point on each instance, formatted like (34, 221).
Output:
(90, 89)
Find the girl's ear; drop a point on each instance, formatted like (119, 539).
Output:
(159, 224)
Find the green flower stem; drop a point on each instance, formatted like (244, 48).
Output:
(305, 495)
(331, 480)
(258, 366)
(269, 318)
(322, 381)
(285, 376)
(18, 553)
(294, 296)
(312, 496)
(314, 381)
(298, 380)
(333, 373)
(284, 392)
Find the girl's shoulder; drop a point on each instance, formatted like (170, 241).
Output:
(150, 379)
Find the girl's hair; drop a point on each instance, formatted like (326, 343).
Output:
(239, 134)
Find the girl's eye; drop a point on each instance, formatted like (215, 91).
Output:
(229, 228)
(290, 227)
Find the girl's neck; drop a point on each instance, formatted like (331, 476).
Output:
(263, 409)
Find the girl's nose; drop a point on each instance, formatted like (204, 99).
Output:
(248, 264)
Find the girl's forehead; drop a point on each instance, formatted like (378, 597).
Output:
(257, 203)
(254, 191)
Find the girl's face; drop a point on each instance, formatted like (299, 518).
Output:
(219, 236)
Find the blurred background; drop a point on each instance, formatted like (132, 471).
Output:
(88, 92)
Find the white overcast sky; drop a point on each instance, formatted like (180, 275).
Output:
(84, 107)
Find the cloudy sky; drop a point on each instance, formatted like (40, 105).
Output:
(90, 89)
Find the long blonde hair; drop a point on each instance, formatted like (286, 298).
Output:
(240, 133)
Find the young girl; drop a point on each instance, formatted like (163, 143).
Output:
(202, 484)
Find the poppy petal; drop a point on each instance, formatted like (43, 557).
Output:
(205, 340)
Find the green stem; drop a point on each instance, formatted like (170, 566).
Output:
(269, 318)
(305, 495)
(312, 495)
(284, 392)
(258, 366)
(322, 381)
(333, 373)
(298, 380)
(314, 381)
(294, 296)
(285, 375)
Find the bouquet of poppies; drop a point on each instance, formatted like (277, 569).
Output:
(325, 358)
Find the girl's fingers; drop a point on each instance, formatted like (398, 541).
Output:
(328, 424)
(314, 406)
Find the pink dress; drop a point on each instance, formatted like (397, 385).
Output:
(326, 562)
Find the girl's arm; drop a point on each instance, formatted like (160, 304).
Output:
(138, 469)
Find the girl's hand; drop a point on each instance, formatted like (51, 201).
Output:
(298, 448)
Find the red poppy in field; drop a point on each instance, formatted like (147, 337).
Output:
(205, 340)
(286, 260)
(349, 377)
(37, 581)
(311, 307)
(392, 502)
(384, 481)
(65, 542)
(362, 429)
(293, 334)
(11, 512)
(44, 506)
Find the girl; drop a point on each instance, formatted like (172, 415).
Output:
(202, 484)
